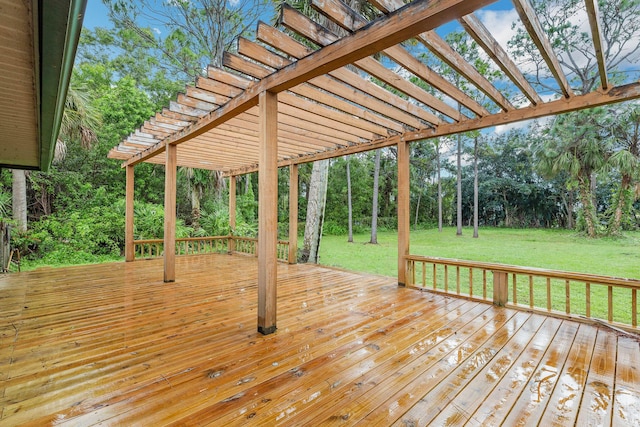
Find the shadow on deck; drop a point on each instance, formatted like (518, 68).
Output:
(113, 344)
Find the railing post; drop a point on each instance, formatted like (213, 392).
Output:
(500, 288)
(231, 243)
(129, 246)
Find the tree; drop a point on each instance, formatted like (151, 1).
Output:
(198, 181)
(564, 24)
(316, 202)
(576, 144)
(459, 185)
(626, 159)
(320, 168)
(437, 142)
(461, 42)
(19, 202)
(374, 202)
(186, 35)
(475, 187)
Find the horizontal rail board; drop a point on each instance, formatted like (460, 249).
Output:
(154, 248)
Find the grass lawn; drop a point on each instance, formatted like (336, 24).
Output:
(548, 249)
(551, 249)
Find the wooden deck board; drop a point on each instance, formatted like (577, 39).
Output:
(112, 344)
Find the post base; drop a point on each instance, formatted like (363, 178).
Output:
(268, 330)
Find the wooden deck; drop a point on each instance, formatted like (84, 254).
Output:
(112, 344)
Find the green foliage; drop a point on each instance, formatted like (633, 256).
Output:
(566, 33)
(5, 204)
(149, 221)
(73, 237)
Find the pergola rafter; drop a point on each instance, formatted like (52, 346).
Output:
(279, 102)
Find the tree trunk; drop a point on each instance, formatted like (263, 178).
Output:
(587, 206)
(195, 205)
(571, 202)
(507, 215)
(475, 188)
(439, 186)
(19, 201)
(374, 204)
(349, 201)
(616, 224)
(417, 208)
(459, 188)
(316, 202)
(593, 186)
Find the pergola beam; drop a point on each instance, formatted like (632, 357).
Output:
(539, 38)
(596, 36)
(304, 26)
(579, 102)
(442, 50)
(490, 45)
(414, 18)
(340, 83)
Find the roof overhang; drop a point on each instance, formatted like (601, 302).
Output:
(38, 41)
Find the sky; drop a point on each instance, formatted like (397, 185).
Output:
(96, 12)
(96, 15)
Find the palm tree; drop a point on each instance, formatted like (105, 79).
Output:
(576, 145)
(626, 159)
(198, 181)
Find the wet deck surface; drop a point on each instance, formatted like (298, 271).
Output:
(111, 344)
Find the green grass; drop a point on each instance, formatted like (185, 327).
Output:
(551, 249)
(548, 249)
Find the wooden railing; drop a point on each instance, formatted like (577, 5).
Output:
(154, 248)
(249, 246)
(576, 295)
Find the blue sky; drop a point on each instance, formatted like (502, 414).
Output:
(96, 13)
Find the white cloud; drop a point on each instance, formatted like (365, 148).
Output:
(157, 30)
(500, 23)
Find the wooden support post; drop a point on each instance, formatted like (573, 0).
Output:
(232, 214)
(267, 212)
(129, 249)
(403, 212)
(293, 214)
(170, 214)
(500, 288)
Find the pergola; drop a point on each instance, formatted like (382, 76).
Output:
(278, 102)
